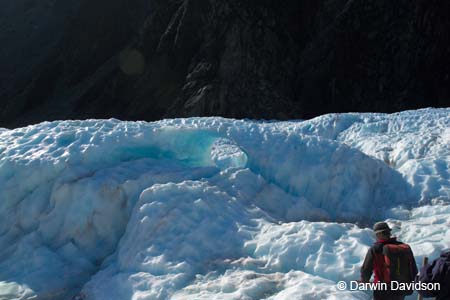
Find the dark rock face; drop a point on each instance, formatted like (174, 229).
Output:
(149, 59)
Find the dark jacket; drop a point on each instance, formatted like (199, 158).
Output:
(374, 260)
(437, 272)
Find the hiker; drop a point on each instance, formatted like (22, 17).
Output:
(389, 260)
(437, 272)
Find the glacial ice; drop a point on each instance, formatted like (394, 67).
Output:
(214, 208)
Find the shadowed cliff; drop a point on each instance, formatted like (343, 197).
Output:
(150, 59)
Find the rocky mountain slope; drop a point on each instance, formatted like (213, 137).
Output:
(152, 59)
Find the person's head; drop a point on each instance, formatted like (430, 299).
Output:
(382, 231)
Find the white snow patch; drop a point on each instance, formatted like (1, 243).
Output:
(212, 208)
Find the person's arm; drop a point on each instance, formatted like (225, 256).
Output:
(367, 267)
(426, 276)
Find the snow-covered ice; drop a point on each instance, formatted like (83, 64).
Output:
(213, 208)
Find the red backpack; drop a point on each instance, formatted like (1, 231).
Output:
(396, 263)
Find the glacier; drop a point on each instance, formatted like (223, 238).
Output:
(214, 208)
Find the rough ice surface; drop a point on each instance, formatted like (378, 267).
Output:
(213, 208)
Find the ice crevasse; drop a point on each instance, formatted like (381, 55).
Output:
(214, 208)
